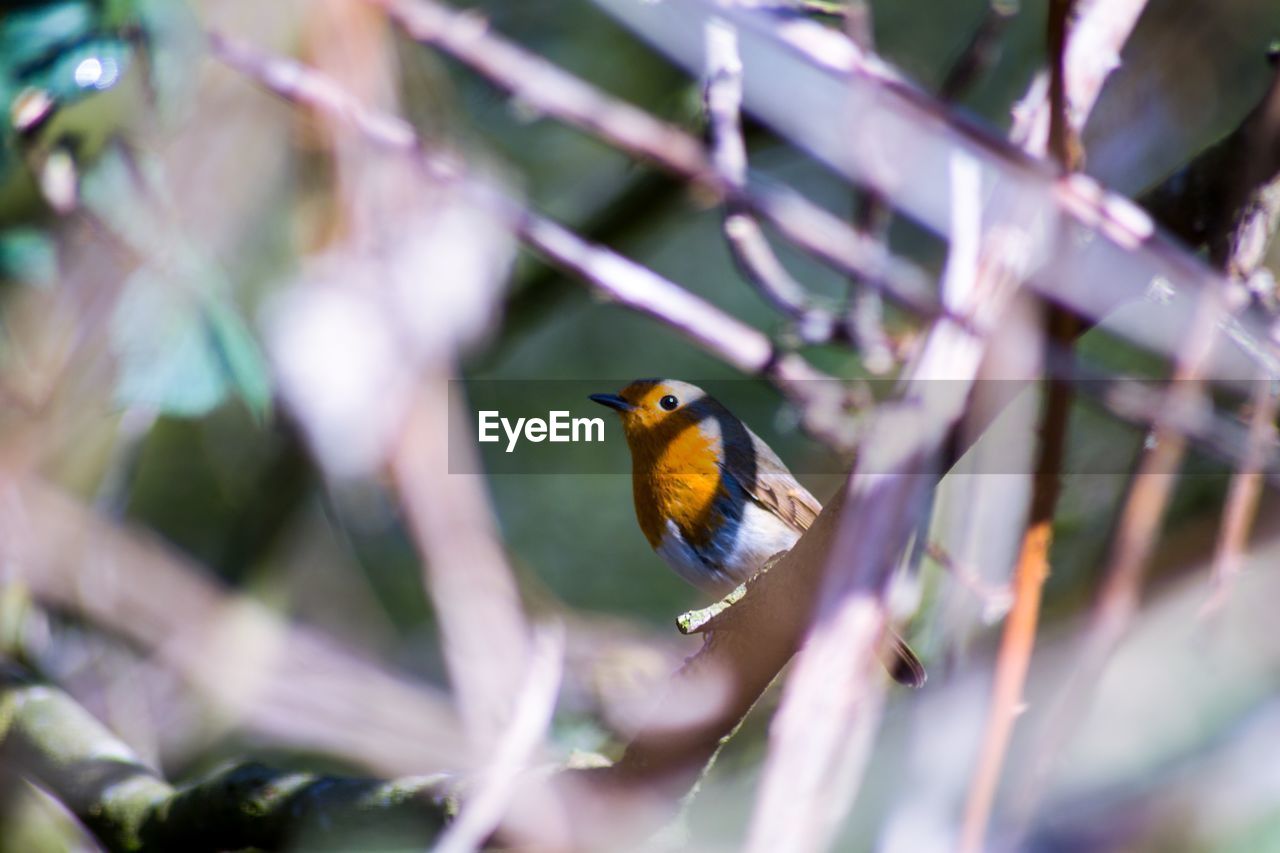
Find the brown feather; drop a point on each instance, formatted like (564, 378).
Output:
(770, 484)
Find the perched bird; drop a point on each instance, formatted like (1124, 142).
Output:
(715, 501)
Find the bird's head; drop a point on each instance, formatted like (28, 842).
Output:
(653, 409)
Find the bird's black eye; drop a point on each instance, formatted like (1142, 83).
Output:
(669, 402)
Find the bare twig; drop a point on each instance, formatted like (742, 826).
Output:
(466, 36)
(995, 599)
(822, 404)
(1243, 495)
(515, 750)
(883, 114)
(981, 52)
(618, 278)
(574, 101)
(287, 682)
(1143, 404)
(1018, 640)
(746, 239)
(1064, 134)
(864, 316)
(1099, 34)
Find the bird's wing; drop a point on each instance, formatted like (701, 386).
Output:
(768, 482)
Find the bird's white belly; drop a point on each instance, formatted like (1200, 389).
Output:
(758, 536)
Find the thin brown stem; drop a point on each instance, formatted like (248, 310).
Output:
(1018, 640)
(1243, 495)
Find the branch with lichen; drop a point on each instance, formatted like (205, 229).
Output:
(49, 739)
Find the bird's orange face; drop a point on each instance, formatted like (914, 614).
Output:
(656, 410)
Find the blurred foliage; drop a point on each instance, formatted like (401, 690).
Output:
(101, 71)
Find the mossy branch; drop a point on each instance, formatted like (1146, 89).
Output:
(56, 744)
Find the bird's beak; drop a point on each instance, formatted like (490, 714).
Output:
(613, 401)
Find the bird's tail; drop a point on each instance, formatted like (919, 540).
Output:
(902, 662)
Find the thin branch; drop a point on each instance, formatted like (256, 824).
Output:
(1032, 568)
(516, 747)
(466, 37)
(1243, 495)
(882, 114)
(1141, 404)
(820, 738)
(1017, 642)
(1064, 134)
(981, 52)
(1152, 484)
(1099, 34)
(49, 738)
(557, 93)
(871, 215)
(995, 599)
(747, 241)
(293, 684)
(618, 278)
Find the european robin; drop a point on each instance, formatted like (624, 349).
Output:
(715, 501)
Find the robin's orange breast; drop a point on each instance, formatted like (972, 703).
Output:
(679, 481)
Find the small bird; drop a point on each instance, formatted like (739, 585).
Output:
(715, 501)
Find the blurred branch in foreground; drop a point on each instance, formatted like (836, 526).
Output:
(1246, 229)
(821, 738)
(129, 807)
(289, 682)
(742, 231)
(1095, 250)
(622, 280)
